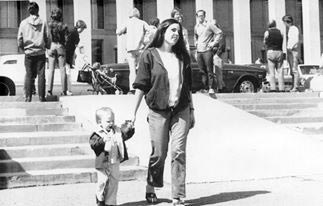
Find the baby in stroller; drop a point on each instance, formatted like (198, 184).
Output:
(101, 82)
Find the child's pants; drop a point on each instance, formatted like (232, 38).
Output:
(108, 180)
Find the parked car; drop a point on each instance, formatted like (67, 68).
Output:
(12, 74)
(306, 74)
(237, 78)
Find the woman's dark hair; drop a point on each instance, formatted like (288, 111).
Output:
(80, 24)
(33, 8)
(179, 48)
(56, 14)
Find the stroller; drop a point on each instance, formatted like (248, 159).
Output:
(102, 80)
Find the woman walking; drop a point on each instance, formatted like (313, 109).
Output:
(164, 77)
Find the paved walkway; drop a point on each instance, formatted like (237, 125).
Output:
(290, 191)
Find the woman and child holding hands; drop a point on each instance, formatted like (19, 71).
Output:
(164, 77)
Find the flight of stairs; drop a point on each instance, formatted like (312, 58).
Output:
(40, 144)
(302, 111)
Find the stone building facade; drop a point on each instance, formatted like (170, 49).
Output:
(243, 21)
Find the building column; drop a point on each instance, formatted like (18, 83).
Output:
(82, 11)
(207, 6)
(242, 31)
(124, 7)
(311, 29)
(164, 8)
(42, 9)
(276, 11)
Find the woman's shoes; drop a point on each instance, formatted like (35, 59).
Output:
(151, 198)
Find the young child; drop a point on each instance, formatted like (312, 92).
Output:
(103, 74)
(110, 150)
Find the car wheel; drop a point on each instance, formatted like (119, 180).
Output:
(246, 86)
(7, 87)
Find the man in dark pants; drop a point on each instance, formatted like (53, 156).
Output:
(33, 39)
(207, 36)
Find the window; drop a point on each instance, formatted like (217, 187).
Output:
(223, 13)
(98, 14)
(100, 9)
(258, 23)
(10, 62)
(12, 13)
(97, 50)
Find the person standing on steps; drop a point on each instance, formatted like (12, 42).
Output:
(207, 36)
(135, 30)
(72, 40)
(33, 38)
(292, 49)
(273, 39)
(57, 52)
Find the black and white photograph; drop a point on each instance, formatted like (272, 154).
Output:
(161, 102)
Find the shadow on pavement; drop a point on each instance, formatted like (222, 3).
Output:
(213, 199)
(224, 197)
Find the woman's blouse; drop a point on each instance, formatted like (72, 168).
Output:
(172, 65)
(152, 79)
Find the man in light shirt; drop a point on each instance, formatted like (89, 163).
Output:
(135, 30)
(206, 36)
(292, 49)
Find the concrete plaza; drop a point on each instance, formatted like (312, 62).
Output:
(289, 191)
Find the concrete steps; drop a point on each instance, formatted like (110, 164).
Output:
(45, 150)
(30, 105)
(43, 138)
(36, 119)
(64, 176)
(273, 106)
(311, 112)
(41, 144)
(68, 126)
(295, 120)
(302, 112)
(53, 162)
(311, 128)
(277, 99)
(33, 111)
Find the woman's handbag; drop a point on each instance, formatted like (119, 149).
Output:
(84, 75)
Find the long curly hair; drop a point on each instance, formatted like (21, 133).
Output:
(179, 48)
